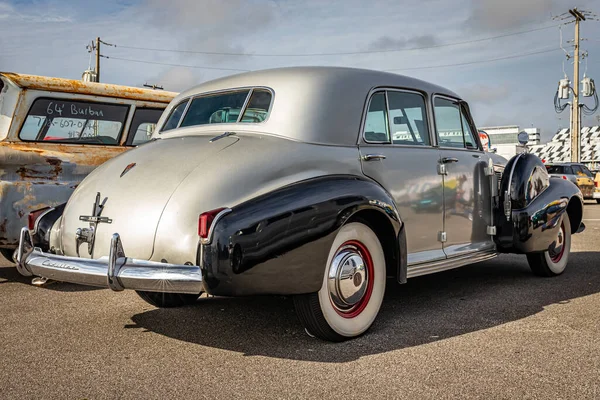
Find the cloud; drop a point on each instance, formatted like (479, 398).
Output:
(389, 43)
(484, 93)
(175, 79)
(494, 15)
(10, 13)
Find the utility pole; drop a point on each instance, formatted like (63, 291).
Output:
(98, 59)
(575, 126)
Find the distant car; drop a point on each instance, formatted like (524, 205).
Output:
(577, 173)
(318, 183)
(54, 131)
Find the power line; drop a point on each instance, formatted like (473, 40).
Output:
(174, 65)
(388, 70)
(476, 62)
(333, 53)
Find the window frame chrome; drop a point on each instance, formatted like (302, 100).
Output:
(390, 142)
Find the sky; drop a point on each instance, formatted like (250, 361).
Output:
(49, 37)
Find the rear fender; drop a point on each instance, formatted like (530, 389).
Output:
(278, 243)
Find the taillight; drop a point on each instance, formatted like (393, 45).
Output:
(597, 184)
(564, 177)
(205, 221)
(33, 216)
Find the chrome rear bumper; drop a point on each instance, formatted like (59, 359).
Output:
(116, 271)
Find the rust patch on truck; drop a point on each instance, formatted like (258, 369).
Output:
(97, 89)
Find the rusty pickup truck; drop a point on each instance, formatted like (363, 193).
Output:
(53, 132)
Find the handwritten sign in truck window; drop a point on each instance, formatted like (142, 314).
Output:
(66, 121)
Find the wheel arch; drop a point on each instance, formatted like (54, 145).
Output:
(393, 243)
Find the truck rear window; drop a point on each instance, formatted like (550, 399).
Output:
(78, 122)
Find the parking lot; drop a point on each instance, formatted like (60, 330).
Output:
(490, 330)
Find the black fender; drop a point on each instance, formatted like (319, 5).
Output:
(278, 243)
(532, 206)
(43, 226)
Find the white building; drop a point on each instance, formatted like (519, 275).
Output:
(505, 139)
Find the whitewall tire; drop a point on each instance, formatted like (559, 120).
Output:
(553, 261)
(353, 286)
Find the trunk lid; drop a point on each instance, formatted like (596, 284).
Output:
(137, 186)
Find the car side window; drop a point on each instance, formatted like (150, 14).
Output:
(408, 118)
(567, 171)
(448, 121)
(176, 113)
(452, 125)
(143, 125)
(376, 124)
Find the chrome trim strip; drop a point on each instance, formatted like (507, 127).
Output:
(185, 110)
(243, 109)
(212, 226)
(450, 263)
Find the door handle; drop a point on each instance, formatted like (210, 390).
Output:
(373, 157)
(446, 160)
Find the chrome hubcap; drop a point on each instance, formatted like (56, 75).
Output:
(348, 279)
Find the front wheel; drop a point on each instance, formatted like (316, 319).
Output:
(352, 290)
(553, 261)
(168, 300)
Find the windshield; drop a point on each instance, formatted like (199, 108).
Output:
(65, 121)
(247, 106)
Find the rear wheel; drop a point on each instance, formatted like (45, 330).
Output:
(352, 289)
(598, 201)
(168, 300)
(7, 253)
(553, 261)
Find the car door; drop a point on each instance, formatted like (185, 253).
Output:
(396, 151)
(467, 205)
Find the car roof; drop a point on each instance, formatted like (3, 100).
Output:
(48, 83)
(313, 104)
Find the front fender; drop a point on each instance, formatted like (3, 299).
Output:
(533, 206)
(278, 243)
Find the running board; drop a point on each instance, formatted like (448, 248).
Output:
(450, 263)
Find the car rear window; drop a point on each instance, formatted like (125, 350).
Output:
(245, 105)
(555, 169)
(77, 122)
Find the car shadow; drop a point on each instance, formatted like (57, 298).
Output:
(425, 310)
(9, 274)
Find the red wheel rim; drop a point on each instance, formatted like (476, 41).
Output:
(359, 307)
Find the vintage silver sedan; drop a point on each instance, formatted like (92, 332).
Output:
(314, 182)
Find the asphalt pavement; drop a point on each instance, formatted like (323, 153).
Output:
(490, 330)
